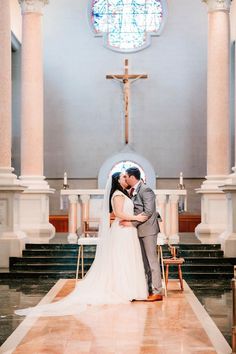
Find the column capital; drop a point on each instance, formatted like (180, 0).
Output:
(218, 5)
(35, 6)
(73, 199)
(84, 198)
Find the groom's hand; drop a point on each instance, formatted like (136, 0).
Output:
(125, 223)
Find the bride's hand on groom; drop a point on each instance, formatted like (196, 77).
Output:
(125, 223)
(141, 217)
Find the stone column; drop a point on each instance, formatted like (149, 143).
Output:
(34, 204)
(218, 97)
(6, 175)
(32, 94)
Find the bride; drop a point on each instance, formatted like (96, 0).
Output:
(117, 274)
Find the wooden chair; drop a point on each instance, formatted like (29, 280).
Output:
(176, 262)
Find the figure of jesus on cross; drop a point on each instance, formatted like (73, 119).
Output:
(126, 79)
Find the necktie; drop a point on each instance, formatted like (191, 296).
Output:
(131, 192)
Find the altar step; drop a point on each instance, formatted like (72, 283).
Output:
(59, 261)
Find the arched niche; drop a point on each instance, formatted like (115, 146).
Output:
(126, 156)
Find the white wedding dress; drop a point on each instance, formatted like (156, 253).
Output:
(116, 275)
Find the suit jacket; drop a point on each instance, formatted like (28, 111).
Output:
(145, 202)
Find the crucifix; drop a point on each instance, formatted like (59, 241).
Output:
(126, 79)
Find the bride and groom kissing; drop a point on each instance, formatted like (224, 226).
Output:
(147, 228)
(126, 265)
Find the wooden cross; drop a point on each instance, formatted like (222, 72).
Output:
(126, 79)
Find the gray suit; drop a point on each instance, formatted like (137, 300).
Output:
(145, 201)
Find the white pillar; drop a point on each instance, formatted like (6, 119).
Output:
(6, 175)
(12, 239)
(218, 97)
(32, 94)
(34, 217)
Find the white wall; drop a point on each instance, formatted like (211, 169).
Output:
(84, 111)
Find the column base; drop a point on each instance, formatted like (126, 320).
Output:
(34, 182)
(11, 245)
(213, 210)
(7, 177)
(228, 243)
(173, 239)
(34, 215)
(209, 233)
(72, 238)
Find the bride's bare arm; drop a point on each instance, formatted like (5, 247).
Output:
(118, 202)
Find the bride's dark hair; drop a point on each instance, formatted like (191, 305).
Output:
(115, 185)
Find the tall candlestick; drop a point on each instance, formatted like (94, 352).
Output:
(181, 180)
(65, 178)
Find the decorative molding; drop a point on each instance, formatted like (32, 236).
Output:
(218, 5)
(35, 6)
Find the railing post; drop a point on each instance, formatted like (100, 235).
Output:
(161, 207)
(73, 201)
(85, 198)
(174, 217)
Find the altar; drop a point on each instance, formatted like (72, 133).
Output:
(85, 207)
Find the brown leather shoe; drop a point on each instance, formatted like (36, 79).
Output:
(155, 297)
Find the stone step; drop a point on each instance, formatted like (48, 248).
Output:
(71, 274)
(73, 252)
(208, 260)
(193, 268)
(38, 260)
(200, 253)
(187, 246)
(52, 253)
(201, 275)
(196, 246)
(57, 267)
(40, 274)
(204, 268)
(52, 246)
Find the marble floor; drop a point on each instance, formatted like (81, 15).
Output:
(16, 294)
(179, 324)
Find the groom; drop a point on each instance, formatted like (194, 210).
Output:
(143, 198)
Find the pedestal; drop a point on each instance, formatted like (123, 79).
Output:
(213, 215)
(34, 215)
(228, 237)
(12, 239)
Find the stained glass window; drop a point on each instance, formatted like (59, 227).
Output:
(127, 24)
(123, 165)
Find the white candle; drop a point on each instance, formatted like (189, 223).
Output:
(181, 180)
(65, 178)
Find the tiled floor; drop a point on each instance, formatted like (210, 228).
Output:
(164, 327)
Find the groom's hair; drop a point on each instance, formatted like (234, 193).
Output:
(134, 171)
